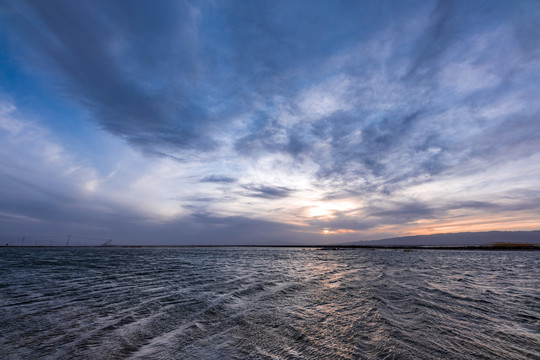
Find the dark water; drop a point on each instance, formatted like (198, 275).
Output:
(260, 303)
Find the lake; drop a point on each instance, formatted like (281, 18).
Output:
(268, 303)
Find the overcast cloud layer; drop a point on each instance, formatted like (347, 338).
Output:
(208, 122)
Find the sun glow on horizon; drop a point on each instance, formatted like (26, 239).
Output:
(327, 231)
(330, 209)
(474, 224)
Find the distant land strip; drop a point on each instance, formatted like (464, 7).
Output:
(491, 240)
(493, 247)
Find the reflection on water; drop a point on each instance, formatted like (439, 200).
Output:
(175, 303)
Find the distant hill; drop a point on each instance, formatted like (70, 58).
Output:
(458, 239)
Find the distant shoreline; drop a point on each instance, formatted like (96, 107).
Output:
(497, 247)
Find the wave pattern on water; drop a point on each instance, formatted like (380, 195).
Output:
(244, 303)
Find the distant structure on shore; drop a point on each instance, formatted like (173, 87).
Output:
(52, 241)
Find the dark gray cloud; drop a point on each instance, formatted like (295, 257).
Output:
(208, 229)
(433, 41)
(401, 213)
(133, 67)
(218, 179)
(345, 223)
(267, 192)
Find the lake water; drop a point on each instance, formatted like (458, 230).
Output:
(268, 303)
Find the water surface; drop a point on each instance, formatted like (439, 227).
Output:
(268, 303)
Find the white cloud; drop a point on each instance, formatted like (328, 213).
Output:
(31, 153)
(466, 77)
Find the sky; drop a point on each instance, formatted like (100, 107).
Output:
(268, 122)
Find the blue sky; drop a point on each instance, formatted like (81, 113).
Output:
(250, 122)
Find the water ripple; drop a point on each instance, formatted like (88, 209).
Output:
(176, 303)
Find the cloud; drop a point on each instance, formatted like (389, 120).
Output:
(410, 110)
(131, 67)
(218, 179)
(433, 40)
(160, 76)
(267, 192)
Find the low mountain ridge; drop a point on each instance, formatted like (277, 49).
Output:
(458, 239)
